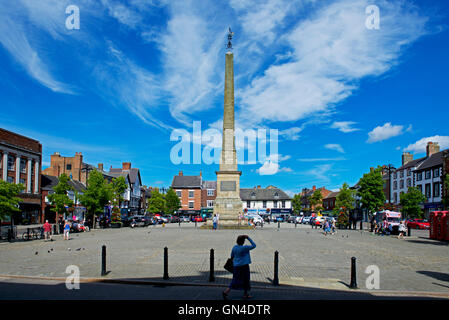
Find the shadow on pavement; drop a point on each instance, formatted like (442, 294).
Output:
(437, 275)
(429, 241)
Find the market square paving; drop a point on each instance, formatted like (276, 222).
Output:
(307, 258)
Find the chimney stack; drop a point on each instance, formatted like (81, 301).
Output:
(100, 166)
(431, 148)
(201, 174)
(126, 166)
(406, 157)
(180, 173)
(314, 188)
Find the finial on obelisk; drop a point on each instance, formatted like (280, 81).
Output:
(230, 34)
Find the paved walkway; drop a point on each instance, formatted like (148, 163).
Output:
(307, 258)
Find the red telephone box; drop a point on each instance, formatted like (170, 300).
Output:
(446, 225)
(441, 226)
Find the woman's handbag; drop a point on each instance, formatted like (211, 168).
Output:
(229, 265)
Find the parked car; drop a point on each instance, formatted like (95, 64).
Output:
(184, 219)
(418, 224)
(319, 221)
(257, 219)
(198, 219)
(139, 221)
(293, 219)
(306, 220)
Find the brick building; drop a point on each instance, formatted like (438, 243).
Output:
(208, 195)
(189, 190)
(306, 194)
(73, 167)
(21, 162)
(329, 201)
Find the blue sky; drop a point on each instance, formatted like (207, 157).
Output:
(343, 97)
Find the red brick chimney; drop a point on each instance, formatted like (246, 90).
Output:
(200, 173)
(126, 166)
(431, 148)
(314, 188)
(180, 174)
(100, 166)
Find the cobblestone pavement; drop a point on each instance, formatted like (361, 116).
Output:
(306, 257)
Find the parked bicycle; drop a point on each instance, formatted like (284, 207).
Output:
(33, 234)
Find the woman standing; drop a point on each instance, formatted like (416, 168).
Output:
(241, 275)
(401, 230)
(66, 230)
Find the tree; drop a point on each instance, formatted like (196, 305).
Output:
(315, 200)
(59, 198)
(411, 202)
(296, 203)
(9, 202)
(156, 203)
(344, 203)
(371, 190)
(446, 191)
(118, 188)
(172, 202)
(97, 195)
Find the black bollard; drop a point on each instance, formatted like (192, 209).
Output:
(103, 260)
(211, 273)
(353, 284)
(195, 223)
(296, 222)
(279, 224)
(276, 269)
(361, 224)
(9, 235)
(54, 229)
(165, 264)
(28, 234)
(409, 231)
(179, 222)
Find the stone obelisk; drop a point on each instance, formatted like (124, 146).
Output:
(228, 204)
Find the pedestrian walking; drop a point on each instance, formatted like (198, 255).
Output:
(66, 230)
(241, 274)
(47, 230)
(214, 222)
(402, 229)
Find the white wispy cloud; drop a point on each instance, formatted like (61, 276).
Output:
(344, 126)
(420, 145)
(384, 132)
(326, 65)
(334, 146)
(15, 36)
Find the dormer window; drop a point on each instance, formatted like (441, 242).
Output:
(253, 195)
(276, 195)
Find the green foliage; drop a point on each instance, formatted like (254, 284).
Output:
(9, 202)
(411, 201)
(315, 200)
(344, 203)
(59, 199)
(118, 187)
(296, 203)
(371, 190)
(172, 202)
(97, 195)
(156, 203)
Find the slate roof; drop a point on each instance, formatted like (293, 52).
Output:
(186, 182)
(134, 173)
(263, 194)
(413, 163)
(332, 195)
(49, 182)
(434, 160)
(210, 185)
